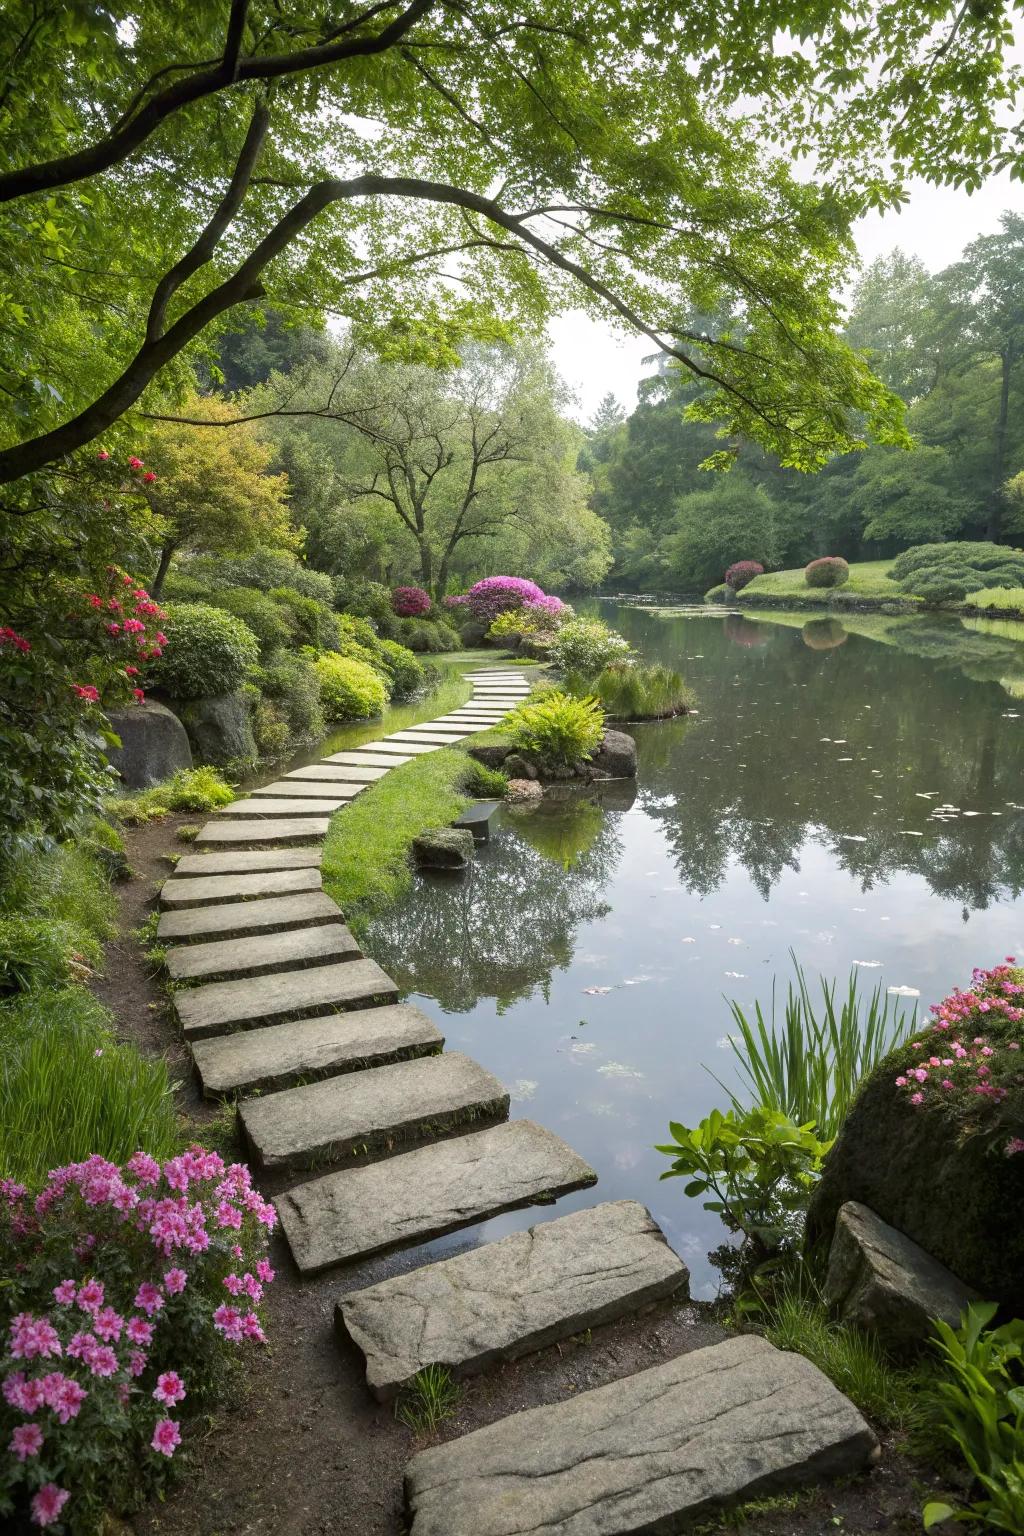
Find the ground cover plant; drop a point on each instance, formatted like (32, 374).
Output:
(190, 789)
(741, 573)
(869, 582)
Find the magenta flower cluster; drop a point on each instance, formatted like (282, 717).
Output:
(123, 1282)
(497, 594)
(963, 1064)
(410, 602)
(742, 572)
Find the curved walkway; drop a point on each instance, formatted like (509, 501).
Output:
(337, 1078)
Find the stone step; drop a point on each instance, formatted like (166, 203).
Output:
(282, 1055)
(241, 861)
(286, 805)
(441, 738)
(295, 829)
(477, 819)
(654, 1452)
(263, 954)
(238, 919)
(369, 1112)
(332, 772)
(385, 760)
(422, 1194)
(403, 749)
(224, 1005)
(327, 790)
(507, 1298)
(212, 890)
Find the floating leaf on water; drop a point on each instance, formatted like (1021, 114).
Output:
(687, 940)
(619, 1069)
(852, 837)
(906, 833)
(734, 941)
(925, 794)
(737, 975)
(634, 981)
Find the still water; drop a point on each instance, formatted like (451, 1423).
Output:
(848, 791)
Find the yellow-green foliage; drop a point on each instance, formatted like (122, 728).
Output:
(556, 730)
(999, 599)
(522, 621)
(190, 789)
(349, 689)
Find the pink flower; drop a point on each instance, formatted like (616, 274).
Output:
(63, 1395)
(1014, 1146)
(90, 1296)
(108, 1324)
(87, 692)
(946, 1083)
(134, 462)
(264, 1271)
(917, 1098)
(166, 1436)
(30, 1338)
(227, 1320)
(149, 477)
(148, 1298)
(901, 1082)
(136, 1362)
(103, 456)
(26, 1441)
(65, 1292)
(48, 1503)
(175, 1281)
(138, 1331)
(138, 695)
(251, 1328)
(170, 1389)
(102, 1361)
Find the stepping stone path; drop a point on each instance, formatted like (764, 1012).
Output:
(285, 1016)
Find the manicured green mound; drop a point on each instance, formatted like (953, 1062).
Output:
(869, 581)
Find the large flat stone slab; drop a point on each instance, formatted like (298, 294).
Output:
(224, 1005)
(285, 805)
(650, 1453)
(427, 1192)
(244, 861)
(429, 733)
(281, 1055)
(370, 1111)
(296, 829)
(208, 890)
(237, 919)
(373, 759)
(263, 954)
(405, 749)
(882, 1281)
(331, 772)
(310, 789)
(506, 1298)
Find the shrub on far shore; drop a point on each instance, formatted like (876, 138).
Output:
(743, 571)
(431, 635)
(829, 571)
(410, 602)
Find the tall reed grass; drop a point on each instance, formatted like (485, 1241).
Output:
(809, 1066)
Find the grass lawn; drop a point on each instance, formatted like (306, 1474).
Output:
(869, 579)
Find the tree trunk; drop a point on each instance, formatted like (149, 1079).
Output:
(426, 566)
(161, 571)
(995, 505)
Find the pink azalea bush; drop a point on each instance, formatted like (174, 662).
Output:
(410, 602)
(970, 1063)
(742, 572)
(130, 1289)
(497, 594)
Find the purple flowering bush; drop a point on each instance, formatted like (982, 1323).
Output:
(410, 602)
(129, 1291)
(742, 572)
(496, 594)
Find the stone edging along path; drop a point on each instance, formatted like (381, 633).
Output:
(287, 1017)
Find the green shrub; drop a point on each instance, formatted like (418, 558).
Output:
(269, 568)
(431, 635)
(400, 665)
(68, 1090)
(527, 621)
(263, 616)
(980, 553)
(309, 621)
(829, 571)
(631, 691)
(366, 600)
(998, 599)
(208, 652)
(349, 689)
(270, 729)
(946, 573)
(556, 730)
(586, 646)
(293, 683)
(190, 789)
(978, 1406)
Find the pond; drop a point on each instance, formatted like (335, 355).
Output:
(848, 791)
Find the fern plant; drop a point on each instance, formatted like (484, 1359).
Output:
(556, 731)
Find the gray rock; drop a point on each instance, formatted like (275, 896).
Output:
(506, 1298)
(218, 728)
(154, 744)
(491, 754)
(427, 1192)
(280, 1055)
(448, 848)
(244, 861)
(224, 1005)
(370, 1111)
(616, 756)
(263, 954)
(239, 919)
(519, 767)
(278, 829)
(254, 806)
(645, 1454)
(885, 1283)
(523, 792)
(212, 890)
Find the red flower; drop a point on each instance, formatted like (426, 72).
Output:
(131, 671)
(113, 629)
(8, 635)
(103, 456)
(148, 477)
(138, 694)
(94, 601)
(88, 692)
(113, 605)
(134, 463)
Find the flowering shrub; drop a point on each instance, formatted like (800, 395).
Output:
(349, 689)
(211, 652)
(130, 1289)
(586, 646)
(829, 571)
(410, 602)
(495, 594)
(970, 1062)
(741, 573)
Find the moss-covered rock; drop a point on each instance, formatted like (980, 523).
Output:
(942, 1171)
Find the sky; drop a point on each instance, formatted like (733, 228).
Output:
(937, 222)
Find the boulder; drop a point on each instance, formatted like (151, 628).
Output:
(491, 754)
(154, 744)
(886, 1284)
(219, 728)
(523, 792)
(448, 848)
(517, 767)
(959, 1198)
(616, 756)
(473, 633)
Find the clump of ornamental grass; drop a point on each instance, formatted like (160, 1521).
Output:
(190, 789)
(428, 1399)
(632, 691)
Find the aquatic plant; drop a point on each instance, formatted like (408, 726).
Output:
(632, 691)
